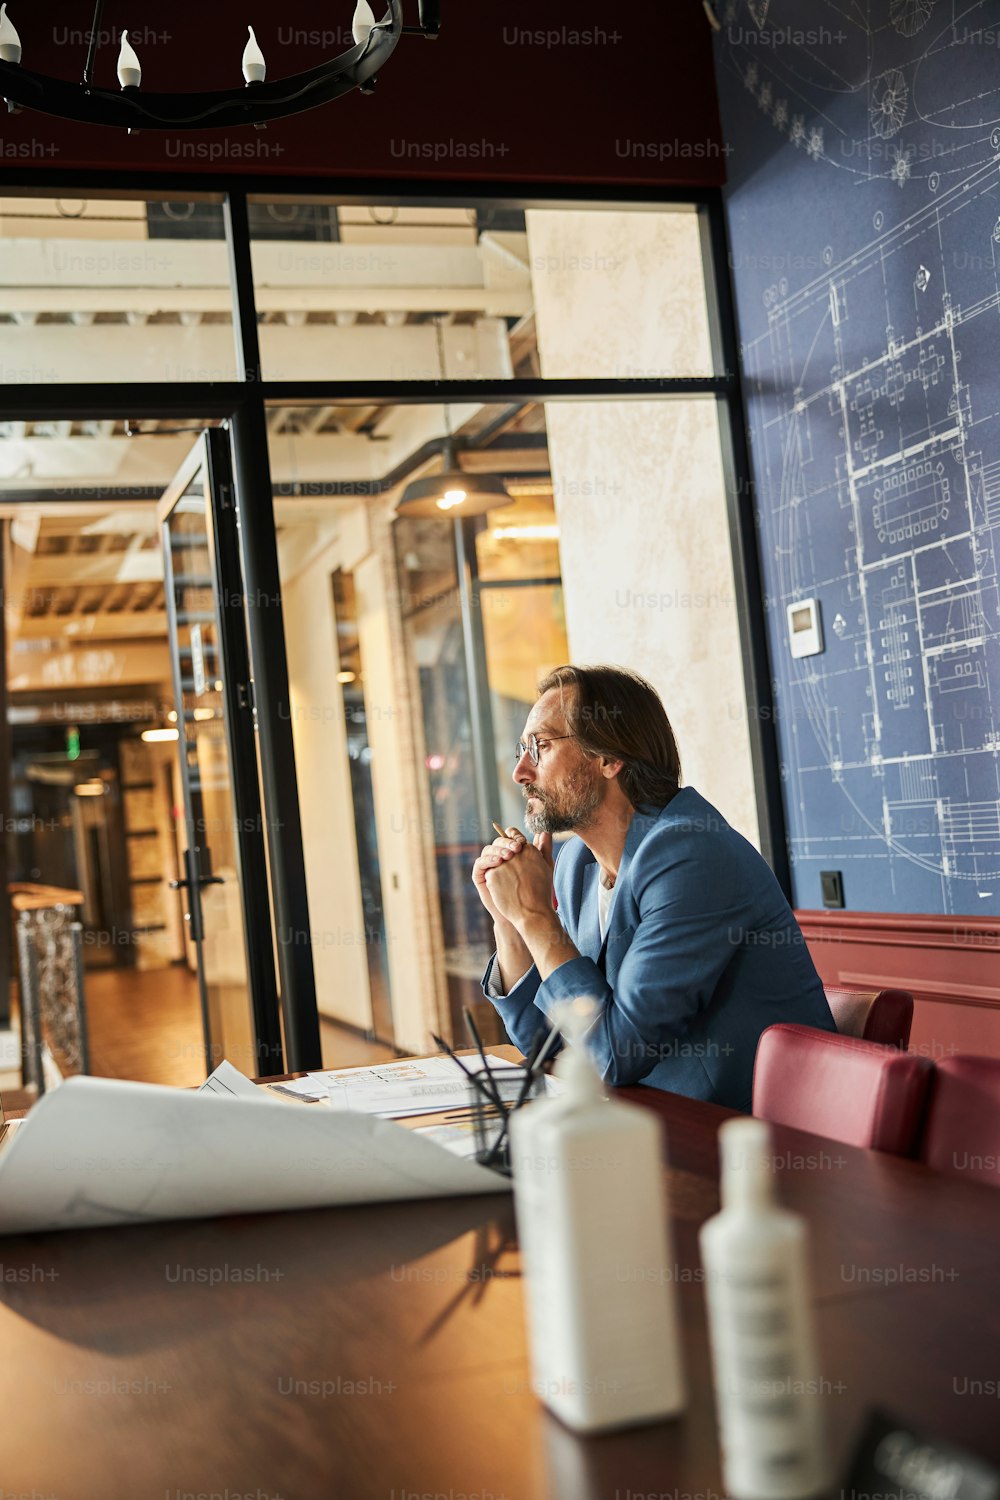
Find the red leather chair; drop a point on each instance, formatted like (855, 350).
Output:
(962, 1129)
(874, 1015)
(861, 1093)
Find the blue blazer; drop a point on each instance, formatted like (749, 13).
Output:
(702, 954)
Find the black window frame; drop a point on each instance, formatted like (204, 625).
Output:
(242, 404)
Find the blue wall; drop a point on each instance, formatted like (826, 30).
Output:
(864, 213)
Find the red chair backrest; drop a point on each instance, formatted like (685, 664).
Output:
(861, 1093)
(873, 1015)
(962, 1129)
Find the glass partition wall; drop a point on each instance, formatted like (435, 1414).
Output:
(392, 660)
(414, 615)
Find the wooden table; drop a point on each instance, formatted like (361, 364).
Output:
(378, 1353)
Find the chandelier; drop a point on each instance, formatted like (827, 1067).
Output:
(253, 103)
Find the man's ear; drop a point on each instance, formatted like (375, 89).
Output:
(611, 768)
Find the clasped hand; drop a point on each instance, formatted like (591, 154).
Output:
(514, 878)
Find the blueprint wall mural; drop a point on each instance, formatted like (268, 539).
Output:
(864, 212)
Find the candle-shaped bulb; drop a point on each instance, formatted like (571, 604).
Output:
(10, 42)
(129, 71)
(254, 66)
(364, 20)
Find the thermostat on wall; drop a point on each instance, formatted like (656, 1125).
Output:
(805, 628)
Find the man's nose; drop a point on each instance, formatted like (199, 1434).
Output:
(525, 770)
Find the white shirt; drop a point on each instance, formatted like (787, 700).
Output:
(605, 900)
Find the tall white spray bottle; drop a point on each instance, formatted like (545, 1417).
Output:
(763, 1346)
(593, 1227)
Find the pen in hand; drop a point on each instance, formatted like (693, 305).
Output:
(505, 833)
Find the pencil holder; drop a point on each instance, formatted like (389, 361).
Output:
(508, 1089)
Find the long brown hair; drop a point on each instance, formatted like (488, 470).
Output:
(614, 712)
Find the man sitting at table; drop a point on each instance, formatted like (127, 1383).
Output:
(658, 909)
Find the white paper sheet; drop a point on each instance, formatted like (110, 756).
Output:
(228, 1081)
(412, 1086)
(100, 1151)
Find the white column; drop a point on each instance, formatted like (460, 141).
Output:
(640, 497)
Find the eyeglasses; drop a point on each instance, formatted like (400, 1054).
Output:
(532, 745)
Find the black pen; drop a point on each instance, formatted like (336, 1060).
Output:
(470, 1022)
(470, 1076)
(552, 1036)
(530, 1062)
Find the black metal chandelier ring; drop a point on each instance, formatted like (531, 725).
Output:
(255, 103)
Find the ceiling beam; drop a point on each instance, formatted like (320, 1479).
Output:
(20, 540)
(61, 353)
(314, 420)
(87, 472)
(99, 626)
(82, 569)
(143, 302)
(118, 514)
(110, 665)
(150, 276)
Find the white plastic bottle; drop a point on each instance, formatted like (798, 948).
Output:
(760, 1319)
(593, 1229)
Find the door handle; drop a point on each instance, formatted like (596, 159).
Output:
(193, 882)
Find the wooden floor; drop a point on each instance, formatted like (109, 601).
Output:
(146, 1025)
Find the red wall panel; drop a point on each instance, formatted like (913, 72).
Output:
(950, 965)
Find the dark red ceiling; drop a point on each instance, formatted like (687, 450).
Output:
(524, 92)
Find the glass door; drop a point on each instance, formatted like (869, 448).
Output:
(225, 869)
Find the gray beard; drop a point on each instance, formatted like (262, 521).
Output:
(567, 820)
